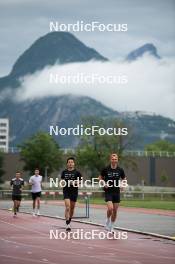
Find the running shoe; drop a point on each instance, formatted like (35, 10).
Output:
(68, 228)
(33, 214)
(15, 215)
(38, 213)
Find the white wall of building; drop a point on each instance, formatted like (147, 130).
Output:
(4, 134)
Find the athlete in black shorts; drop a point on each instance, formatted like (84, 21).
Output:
(36, 182)
(111, 175)
(17, 184)
(70, 192)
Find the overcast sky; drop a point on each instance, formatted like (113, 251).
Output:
(23, 21)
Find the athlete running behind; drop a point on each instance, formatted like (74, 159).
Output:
(17, 184)
(70, 192)
(36, 181)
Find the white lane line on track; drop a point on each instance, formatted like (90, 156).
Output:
(68, 253)
(98, 246)
(127, 251)
(27, 259)
(24, 228)
(26, 237)
(36, 219)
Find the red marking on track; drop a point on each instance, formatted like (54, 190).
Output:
(26, 240)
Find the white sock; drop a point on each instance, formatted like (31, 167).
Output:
(112, 224)
(108, 220)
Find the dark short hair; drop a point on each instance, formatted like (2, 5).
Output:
(18, 172)
(36, 169)
(70, 158)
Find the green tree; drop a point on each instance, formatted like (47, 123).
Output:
(1, 167)
(41, 151)
(93, 151)
(161, 145)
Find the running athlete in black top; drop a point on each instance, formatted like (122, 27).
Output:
(17, 184)
(70, 192)
(112, 175)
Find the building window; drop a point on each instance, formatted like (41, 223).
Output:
(3, 131)
(2, 137)
(3, 124)
(2, 144)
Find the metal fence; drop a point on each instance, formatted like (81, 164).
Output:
(86, 195)
(135, 153)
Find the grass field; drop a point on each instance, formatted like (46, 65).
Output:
(152, 204)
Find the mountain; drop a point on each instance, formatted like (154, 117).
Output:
(26, 118)
(145, 49)
(53, 48)
(30, 116)
(149, 127)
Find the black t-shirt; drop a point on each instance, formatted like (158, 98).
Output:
(114, 175)
(69, 176)
(17, 183)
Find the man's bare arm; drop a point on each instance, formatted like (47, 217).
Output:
(102, 179)
(122, 188)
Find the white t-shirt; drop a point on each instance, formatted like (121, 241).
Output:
(36, 183)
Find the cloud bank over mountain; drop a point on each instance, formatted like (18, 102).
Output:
(146, 84)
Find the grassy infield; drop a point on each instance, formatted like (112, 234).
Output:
(147, 203)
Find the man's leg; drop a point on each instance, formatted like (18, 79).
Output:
(72, 207)
(109, 209)
(34, 203)
(67, 214)
(38, 205)
(109, 214)
(14, 207)
(18, 205)
(67, 208)
(114, 214)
